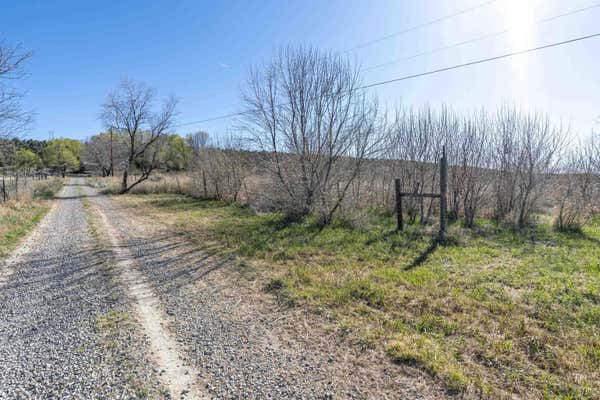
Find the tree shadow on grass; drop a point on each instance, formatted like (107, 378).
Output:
(185, 203)
(527, 238)
(424, 255)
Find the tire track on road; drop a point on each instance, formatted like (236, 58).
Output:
(178, 377)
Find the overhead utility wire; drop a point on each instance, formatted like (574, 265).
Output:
(480, 38)
(477, 39)
(413, 28)
(481, 61)
(435, 71)
(423, 25)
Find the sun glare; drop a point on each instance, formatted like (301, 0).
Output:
(520, 19)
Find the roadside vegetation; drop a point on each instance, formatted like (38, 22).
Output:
(17, 218)
(305, 198)
(496, 313)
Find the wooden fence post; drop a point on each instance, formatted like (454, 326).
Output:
(443, 195)
(400, 223)
(4, 195)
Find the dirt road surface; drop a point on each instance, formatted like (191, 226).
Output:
(98, 303)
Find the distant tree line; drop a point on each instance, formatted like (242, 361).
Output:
(57, 155)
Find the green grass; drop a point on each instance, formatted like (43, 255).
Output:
(46, 189)
(497, 313)
(19, 218)
(16, 220)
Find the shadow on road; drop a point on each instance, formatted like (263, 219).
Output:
(68, 280)
(171, 261)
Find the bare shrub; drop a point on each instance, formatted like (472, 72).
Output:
(315, 128)
(506, 160)
(525, 152)
(414, 146)
(218, 167)
(470, 162)
(579, 188)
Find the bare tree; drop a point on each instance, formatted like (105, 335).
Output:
(103, 151)
(219, 166)
(471, 166)
(227, 167)
(315, 128)
(129, 111)
(595, 151)
(415, 144)
(199, 142)
(12, 117)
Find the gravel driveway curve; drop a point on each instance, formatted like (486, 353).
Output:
(65, 330)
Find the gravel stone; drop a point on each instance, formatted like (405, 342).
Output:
(51, 345)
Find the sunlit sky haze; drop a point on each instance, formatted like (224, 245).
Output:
(202, 51)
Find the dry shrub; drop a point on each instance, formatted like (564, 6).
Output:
(314, 129)
(578, 188)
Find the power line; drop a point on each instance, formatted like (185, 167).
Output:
(448, 47)
(432, 72)
(211, 119)
(402, 32)
(477, 39)
(483, 60)
(416, 27)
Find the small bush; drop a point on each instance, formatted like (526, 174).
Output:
(46, 190)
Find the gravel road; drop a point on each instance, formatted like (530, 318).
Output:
(65, 326)
(70, 325)
(241, 357)
(236, 363)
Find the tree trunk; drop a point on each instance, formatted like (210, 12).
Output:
(124, 182)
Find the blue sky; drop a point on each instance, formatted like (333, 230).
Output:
(202, 51)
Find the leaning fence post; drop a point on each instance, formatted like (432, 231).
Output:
(400, 223)
(443, 190)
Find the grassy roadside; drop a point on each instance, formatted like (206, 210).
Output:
(496, 314)
(18, 218)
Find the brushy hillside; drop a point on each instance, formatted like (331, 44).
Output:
(497, 313)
